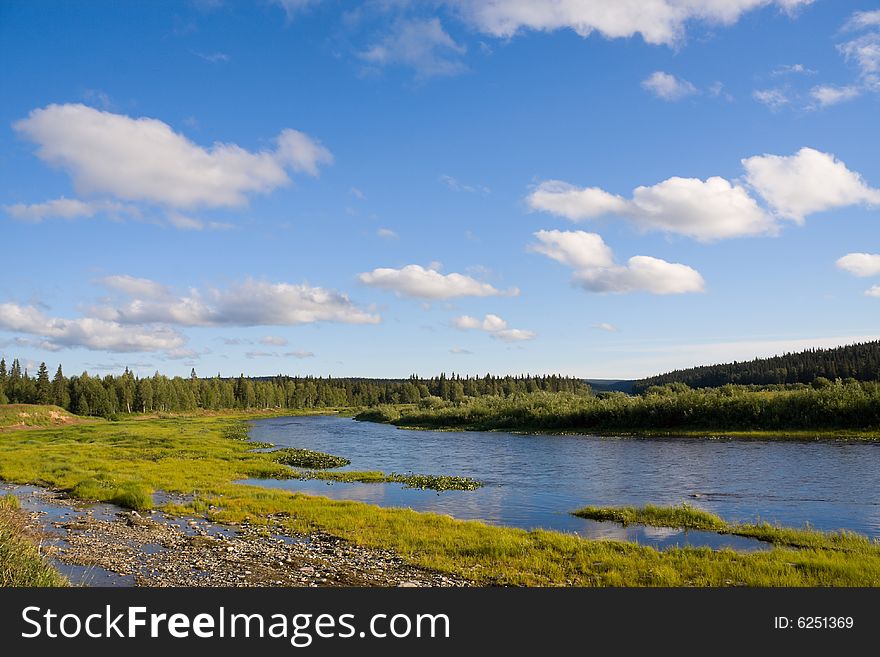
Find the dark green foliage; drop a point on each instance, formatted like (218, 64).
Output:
(858, 361)
(111, 395)
(435, 482)
(305, 458)
(850, 405)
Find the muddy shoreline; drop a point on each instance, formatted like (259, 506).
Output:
(104, 545)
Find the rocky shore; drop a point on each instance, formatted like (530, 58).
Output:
(154, 549)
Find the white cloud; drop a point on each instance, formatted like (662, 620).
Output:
(513, 335)
(145, 160)
(860, 264)
(69, 209)
(806, 182)
(668, 87)
(788, 69)
(250, 303)
(703, 209)
(792, 186)
(605, 326)
(460, 351)
(387, 234)
(873, 291)
(575, 248)
(495, 326)
(863, 19)
(595, 271)
(657, 21)
(422, 45)
(416, 281)
(142, 288)
(865, 51)
(273, 341)
(826, 94)
(642, 274)
(775, 99)
(88, 332)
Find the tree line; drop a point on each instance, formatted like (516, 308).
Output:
(857, 361)
(826, 405)
(108, 396)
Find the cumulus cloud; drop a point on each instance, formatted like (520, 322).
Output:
(249, 303)
(808, 181)
(668, 87)
(143, 159)
(69, 209)
(274, 341)
(422, 45)
(657, 21)
(826, 94)
(642, 274)
(706, 210)
(791, 186)
(88, 332)
(860, 264)
(595, 270)
(575, 248)
(421, 283)
(495, 326)
(873, 291)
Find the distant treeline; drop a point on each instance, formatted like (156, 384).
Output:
(110, 395)
(821, 406)
(858, 361)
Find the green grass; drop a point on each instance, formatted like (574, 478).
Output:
(685, 516)
(20, 416)
(192, 456)
(20, 560)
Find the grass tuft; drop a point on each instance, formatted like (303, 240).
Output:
(20, 561)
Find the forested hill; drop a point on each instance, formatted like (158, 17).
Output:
(857, 361)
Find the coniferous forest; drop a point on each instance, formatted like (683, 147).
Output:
(107, 396)
(857, 361)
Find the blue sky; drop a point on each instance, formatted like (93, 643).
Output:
(389, 187)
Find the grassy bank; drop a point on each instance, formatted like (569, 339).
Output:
(839, 411)
(20, 560)
(685, 516)
(194, 457)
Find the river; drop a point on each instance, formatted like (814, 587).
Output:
(535, 481)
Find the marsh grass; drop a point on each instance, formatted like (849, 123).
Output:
(20, 561)
(685, 516)
(306, 458)
(192, 456)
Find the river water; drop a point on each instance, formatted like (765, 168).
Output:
(535, 481)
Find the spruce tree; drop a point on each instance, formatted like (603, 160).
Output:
(44, 387)
(60, 396)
